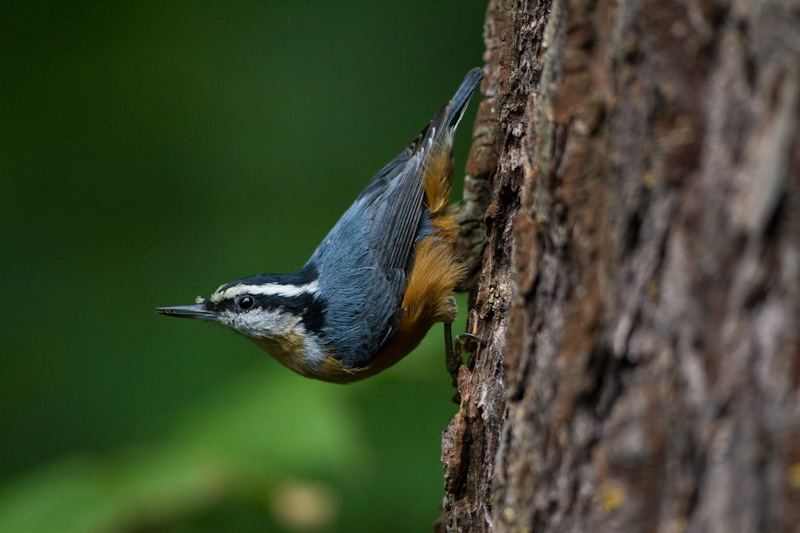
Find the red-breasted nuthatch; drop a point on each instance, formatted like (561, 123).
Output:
(379, 280)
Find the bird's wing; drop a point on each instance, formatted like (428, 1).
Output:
(389, 213)
(395, 196)
(395, 200)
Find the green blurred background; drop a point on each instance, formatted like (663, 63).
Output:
(148, 153)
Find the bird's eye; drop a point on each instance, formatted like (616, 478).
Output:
(245, 302)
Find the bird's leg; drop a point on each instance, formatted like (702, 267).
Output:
(454, 354)
(464, 338)
(453, 362)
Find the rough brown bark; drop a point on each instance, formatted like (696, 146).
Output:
(637, 164)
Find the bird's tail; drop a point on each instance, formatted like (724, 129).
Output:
(463, 96)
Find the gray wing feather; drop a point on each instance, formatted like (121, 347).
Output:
(396, 199)
(395, 194)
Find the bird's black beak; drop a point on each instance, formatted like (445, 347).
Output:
(189, 311)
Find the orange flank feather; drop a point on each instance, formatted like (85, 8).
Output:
(437, 179)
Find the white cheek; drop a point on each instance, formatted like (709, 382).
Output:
(260, 322)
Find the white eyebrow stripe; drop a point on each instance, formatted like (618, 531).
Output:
(268, 289)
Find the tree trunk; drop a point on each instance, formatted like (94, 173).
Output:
(637, 278)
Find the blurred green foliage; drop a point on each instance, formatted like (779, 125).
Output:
(148, 153)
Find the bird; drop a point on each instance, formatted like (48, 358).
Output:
(379, 280)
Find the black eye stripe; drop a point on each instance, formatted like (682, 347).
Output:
(305, 305)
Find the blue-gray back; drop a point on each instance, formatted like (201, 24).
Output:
(364, 261)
